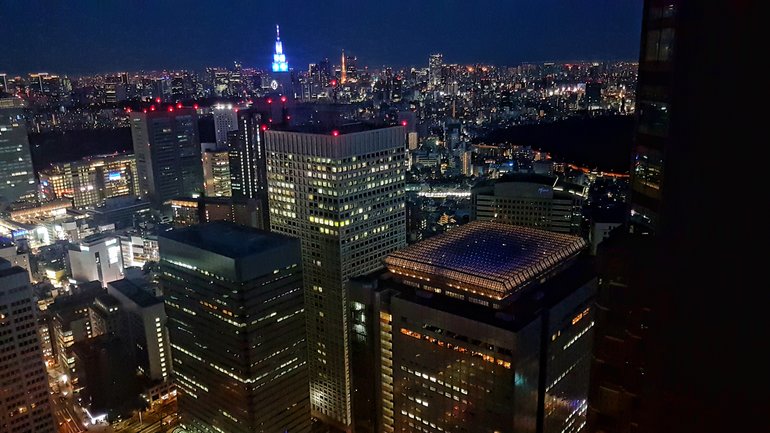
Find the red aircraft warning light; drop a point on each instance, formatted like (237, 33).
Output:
(283, 98)
(403, 123)
(263, 127)
(335, 133)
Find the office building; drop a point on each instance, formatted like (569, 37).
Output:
(435, 63)
(145, 319)
(168, 153)
(17, 177)
(247, 160)
(236, 324)
(216, 172)
(486, 328)
(16, 256)
(90, 181)
(225, 120)
(25, 406)
(530, 200)
(97, 257)
(342, 193)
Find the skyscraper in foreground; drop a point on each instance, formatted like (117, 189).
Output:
(17, 177)
(234, 302)
(342, 193)
(679, 304)
(486, 328)
(24, 395)
(168, 153)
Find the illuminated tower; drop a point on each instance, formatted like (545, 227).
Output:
(279, 58)
(343, 71)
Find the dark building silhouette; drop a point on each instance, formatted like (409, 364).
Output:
(236, 325)
(678, 305)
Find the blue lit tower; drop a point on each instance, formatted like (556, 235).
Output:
(279, 58)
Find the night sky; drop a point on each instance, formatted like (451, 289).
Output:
(86, 36)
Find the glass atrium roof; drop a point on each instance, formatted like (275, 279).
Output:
(487, 258)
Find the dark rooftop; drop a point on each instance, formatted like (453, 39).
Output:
(134, 292)
(226, 238)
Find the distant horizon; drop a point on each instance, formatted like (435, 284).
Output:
(92, 36)
(266, 69)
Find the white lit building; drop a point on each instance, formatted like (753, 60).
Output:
(97, 257)
(342, 193)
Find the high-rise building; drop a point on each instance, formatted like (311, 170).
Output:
(17, 177)
(486, 328)
(342, 193)
(144, 316)
(25, 405)
(435, 62)
(168, 153)
(91, 181)
(530, 200)
(236, 323)
(225, 120)
(97, 257)
(247, 161)
(677, 301)
(216, 172)
(279, 58)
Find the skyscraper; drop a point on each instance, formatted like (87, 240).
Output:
(677, 301)
(168, 152)
(486, 328)
(235, 318)
(216, 172)
(17, 177)
(247, 160)
(25, 406)
(342, 193)
(279, 58)
(225, 120)
(435, 62)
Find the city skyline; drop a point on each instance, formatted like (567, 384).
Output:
(512, 34)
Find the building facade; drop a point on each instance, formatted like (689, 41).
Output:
(25, 406)
(168, 153)
(17, 177)
(216, 173)
(90, 182)
(531, 200)
(342, 193)
(237, 328)
(97, 257)
(486, 328)
(225, 120)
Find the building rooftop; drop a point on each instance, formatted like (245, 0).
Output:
(330, 129)
(486, 258)
(134, 292)
(227, 239)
